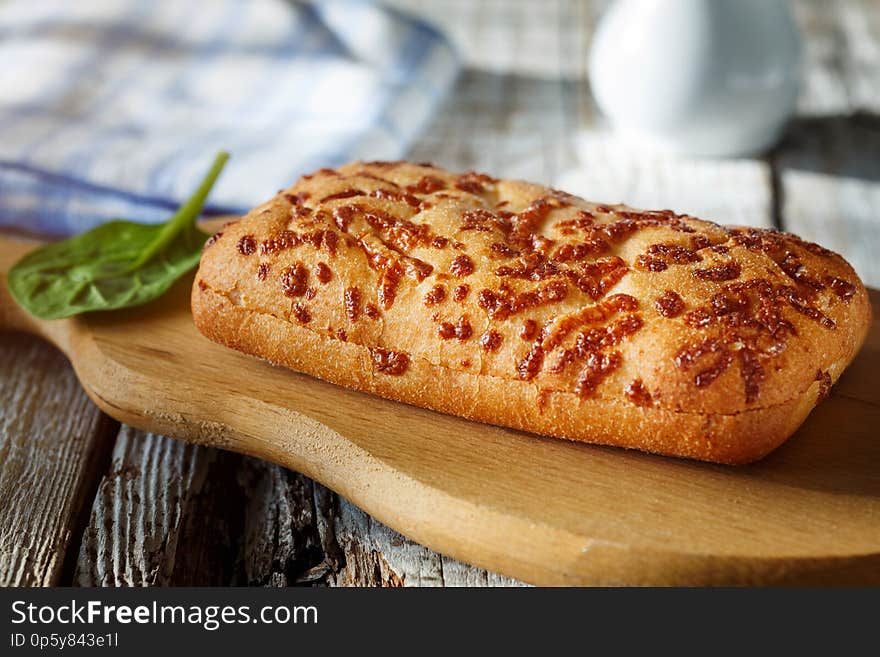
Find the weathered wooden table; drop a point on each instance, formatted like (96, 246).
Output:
(86, 501)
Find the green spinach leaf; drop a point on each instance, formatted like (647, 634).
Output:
(116, 265)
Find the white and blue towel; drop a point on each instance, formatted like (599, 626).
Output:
(115, 108)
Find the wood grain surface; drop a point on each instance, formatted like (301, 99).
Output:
(514, 112)
(56, 442)
(170, 513)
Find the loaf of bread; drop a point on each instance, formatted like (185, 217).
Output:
(523, 306)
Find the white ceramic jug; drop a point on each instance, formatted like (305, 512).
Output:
(697, 77)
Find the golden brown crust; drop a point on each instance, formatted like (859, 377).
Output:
(515, 304)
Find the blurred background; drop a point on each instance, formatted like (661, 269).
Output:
(113, 107)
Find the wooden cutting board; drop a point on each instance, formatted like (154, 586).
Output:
(542, 510)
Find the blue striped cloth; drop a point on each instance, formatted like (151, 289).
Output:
(115, 108)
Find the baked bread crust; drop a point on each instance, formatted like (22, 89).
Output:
(515, 304)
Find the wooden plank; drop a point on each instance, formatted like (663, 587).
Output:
(299, 532)
(53, 444)
(828, 167)
(842, 52)
(537, 38)
(830, 184)
(510, 125)
(164, 514)
(173, 513)
(727, 191)
(282, 543)
(375, 555)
